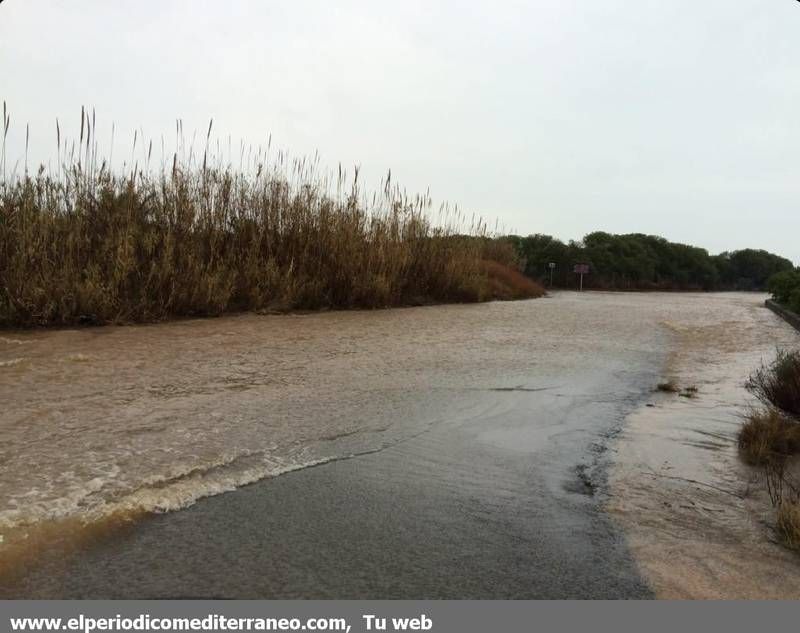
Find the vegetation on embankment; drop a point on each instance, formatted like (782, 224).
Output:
(770, 438)
(785, 289)
(644, 262)
(94, 246)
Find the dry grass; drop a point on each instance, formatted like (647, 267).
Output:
(88, 245)
(788, 524)
(768, 435)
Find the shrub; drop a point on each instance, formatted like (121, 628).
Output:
(785, 287)
(794, 301)
(778, 384)
(771, 436)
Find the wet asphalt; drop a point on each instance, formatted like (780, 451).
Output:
(504, 502)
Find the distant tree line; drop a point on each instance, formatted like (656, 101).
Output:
(644, 262)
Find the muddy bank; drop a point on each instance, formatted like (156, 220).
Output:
(697, 519)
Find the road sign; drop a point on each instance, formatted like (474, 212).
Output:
(581, 269)
(552, 267)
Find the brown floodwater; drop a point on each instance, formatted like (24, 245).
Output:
(497, 416)
(154, 417)
(697, 519)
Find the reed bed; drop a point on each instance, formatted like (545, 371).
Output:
(89, 244)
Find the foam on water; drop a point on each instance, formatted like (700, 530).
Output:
(12, 361)
(11, 341)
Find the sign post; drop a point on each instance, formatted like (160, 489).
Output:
(581, 269)
(552, 267)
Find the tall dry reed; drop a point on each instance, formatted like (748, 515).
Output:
(92, 244)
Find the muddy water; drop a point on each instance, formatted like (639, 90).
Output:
(697, 519)
(460, 451)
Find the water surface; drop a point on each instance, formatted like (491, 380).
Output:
(460, 451)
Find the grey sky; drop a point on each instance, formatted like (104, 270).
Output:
(674, 117)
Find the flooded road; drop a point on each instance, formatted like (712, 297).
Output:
(698, 520)
(449, 451)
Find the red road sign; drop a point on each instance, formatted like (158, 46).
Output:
(581, 269)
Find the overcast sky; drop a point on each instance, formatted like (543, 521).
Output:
(674, 117)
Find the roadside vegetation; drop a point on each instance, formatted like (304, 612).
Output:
(785, 289)
(645, 262)
(770, 438)
(88, 244)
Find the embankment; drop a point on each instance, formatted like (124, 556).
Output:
(787, 315)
